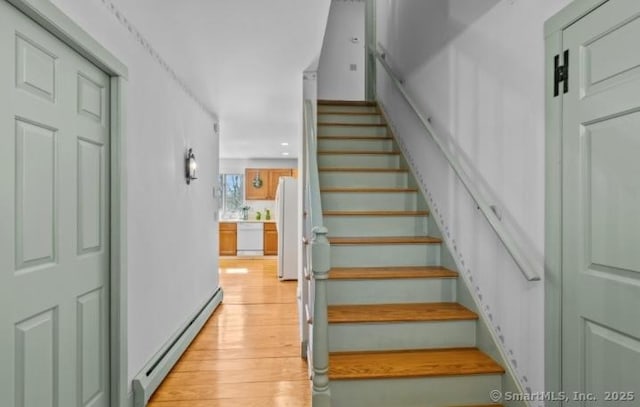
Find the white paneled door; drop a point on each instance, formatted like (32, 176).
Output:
(54, 226)
(601, 198)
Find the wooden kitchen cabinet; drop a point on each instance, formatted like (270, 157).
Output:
(274, 177)
(270, 239)
(252, 193)
(228, 238)
(269, 177)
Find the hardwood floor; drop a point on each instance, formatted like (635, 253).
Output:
(248, 353)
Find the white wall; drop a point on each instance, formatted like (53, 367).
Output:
(335, 78)
(477, 69)
(172, 235)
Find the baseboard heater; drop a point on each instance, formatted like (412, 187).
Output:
(154, 372)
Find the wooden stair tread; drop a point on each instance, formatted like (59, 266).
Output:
(344, 189)
(351, 169)
(379, 273)
(352, 124)
(360, 136)
(384, 240)
(411, 363)
(354, 138)
(376, 213)
(480, 405)
(347, 102)
(345, 113)
(357, 152)
(424, 312)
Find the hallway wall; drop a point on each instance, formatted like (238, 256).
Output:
(477, 69)
(172, 234)
(343, 46)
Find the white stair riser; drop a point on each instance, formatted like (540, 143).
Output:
(385, 255)
(352, 131)
(397, 291)
(363, 201)
(355, 145)
(358, 160)
(376, 225)
(329, 108)
(414, 392)
(345, 118)
(397, 336)
(349, 179)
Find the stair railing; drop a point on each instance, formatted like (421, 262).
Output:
(516, 252)
(317, 263)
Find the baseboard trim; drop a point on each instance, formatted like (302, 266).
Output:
(154, 372)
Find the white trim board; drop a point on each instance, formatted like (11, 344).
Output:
(157, 368)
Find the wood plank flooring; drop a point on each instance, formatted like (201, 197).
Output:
(248, 353)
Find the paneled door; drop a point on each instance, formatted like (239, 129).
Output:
(54, 226)
(601, 208)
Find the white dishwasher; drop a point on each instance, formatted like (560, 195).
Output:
(250, 236)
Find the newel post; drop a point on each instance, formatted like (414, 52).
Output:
(320, 263)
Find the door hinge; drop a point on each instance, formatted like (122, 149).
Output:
(561, 74)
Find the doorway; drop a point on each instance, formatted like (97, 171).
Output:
(593, 231)
(61, 213)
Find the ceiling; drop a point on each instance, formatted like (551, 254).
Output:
(243, 59)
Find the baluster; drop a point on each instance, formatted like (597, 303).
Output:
(320, 262)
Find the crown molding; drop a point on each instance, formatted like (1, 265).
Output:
(146, 45)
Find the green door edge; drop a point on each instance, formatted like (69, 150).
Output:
(553, 30)
(55, 21)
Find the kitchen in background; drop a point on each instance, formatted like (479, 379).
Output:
(250, 223)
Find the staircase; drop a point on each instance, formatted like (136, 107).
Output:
(397, 337)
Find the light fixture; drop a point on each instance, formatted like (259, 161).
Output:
(284, 144)
(190, 166)
(285, 153)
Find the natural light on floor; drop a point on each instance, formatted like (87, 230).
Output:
(234, 270)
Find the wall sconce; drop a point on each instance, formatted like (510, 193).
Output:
(190, 166)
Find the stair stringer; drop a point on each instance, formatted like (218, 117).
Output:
(487, 336)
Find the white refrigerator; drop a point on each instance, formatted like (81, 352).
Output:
(286, 217)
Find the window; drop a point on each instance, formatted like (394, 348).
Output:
(231, 199)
